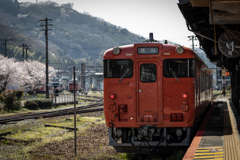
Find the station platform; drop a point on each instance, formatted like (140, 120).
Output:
(218, 136)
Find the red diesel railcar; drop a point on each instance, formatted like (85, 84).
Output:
(154, 94)
(71, 87)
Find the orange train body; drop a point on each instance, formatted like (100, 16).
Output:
(153, 93)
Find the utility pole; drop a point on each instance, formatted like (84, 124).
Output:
(5, 43)
(2, 49)
(27, 47)
(192, 38)
(75, 112)
(46, 35)
(5, 47)
(83, 77)
(23, 51)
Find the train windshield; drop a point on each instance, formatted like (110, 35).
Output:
(117, 68)
(175, 68)
(56, 84)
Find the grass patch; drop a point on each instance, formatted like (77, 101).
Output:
(95, 93)
(36, 130)
(34, 133)
(70, 122)
(41, 96)
(25, 110)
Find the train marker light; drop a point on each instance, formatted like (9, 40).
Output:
(173, 117)
(112, 96)
(179, 50)
(180, 117)
(176, 117)
(184, 95)
(116, 50)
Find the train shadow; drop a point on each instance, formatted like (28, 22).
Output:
(175, 153)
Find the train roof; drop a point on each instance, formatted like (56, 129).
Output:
(130, 49)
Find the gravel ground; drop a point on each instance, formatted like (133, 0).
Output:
(93, 145)
(89, 146)
(96, 139)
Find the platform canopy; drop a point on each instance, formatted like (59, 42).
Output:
(216, 23)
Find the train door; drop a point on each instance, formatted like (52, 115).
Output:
(149, 96)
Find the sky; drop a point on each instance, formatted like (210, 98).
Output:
(161, 17)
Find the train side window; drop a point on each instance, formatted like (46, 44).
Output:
(148, 73)
(179, 68)
(116, 68)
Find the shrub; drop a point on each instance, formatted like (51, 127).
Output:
(19, 94)
(39, 102)
(31, 105)
(43, 103)
(11, 99)
(46, 103)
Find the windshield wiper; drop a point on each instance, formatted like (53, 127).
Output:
(124, 74)
(174, 74)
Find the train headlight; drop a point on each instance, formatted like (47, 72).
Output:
(179, 50)
(116, 50)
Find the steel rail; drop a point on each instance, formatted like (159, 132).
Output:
(80, 109)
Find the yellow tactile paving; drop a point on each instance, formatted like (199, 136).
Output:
(212, 157)
(214, 152)
(210, 147)
(231, 140)
(231, 144)
(198, 151)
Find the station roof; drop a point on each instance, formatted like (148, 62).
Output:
(210, 21)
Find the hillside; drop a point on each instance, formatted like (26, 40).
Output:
(203, 56)
(74, 37)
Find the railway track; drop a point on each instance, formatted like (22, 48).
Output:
(98, 106)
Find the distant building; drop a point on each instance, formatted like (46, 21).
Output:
(218, 81)
(94, 81)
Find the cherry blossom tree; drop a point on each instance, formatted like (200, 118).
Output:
(10, 73)
(27, 74)
(36, 75)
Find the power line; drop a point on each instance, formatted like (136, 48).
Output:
(74, 48)
(177, 38)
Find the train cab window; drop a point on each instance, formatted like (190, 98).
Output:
(178, 68)
(56, 84)
(148, 73)
(118, 68)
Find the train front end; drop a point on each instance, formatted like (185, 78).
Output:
(149, 96)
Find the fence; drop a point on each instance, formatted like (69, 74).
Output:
(61, 99)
